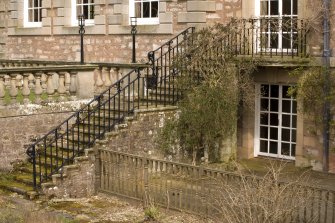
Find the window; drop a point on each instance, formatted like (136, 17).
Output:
(146, 11)
(32, 13)
(83, 7)
(278, 24)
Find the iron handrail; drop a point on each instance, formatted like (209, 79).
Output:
(43, 168)
(160, 78)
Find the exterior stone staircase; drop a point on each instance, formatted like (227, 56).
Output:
(55, 152)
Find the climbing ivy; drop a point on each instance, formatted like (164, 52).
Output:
(214, 83)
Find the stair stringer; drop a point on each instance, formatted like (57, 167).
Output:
(82, 178)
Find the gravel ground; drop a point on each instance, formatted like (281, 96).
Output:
(98, 209)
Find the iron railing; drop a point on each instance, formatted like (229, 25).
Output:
(268, 37)
(50, 153)
(161, 81)
(68, 140)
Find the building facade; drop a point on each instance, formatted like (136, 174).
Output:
(53, 26)
(48, 30)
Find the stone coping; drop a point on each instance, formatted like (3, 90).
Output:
(47, 62)
(122, 65)
(48, 68)
(278, 61)
(156, 109)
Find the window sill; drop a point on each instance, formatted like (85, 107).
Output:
(32, 25)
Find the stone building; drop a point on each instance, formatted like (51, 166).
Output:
(48, 30)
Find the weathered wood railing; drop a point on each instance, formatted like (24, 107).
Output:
(197, 189)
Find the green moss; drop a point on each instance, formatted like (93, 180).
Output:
(70, 206)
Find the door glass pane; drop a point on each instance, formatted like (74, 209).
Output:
(295, 7)
(294, 107)
(285, 149)
(286, 7)
(286, 41)
(286, 24)
(264, 132)
(274, 40)
(294, 136)
(285, 92)
(274, 105)
(264, 119)
(274, 147)
(294, 121)
(264, 8)
(286, 106)
(286, 120)
(265, 90)
(285, 135)
(264, 146)
(293, 149)
(274, 119)
(274, 7)
(274, 133)
(274, 91)
(264, 104)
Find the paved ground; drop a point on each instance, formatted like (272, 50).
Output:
(260, 166)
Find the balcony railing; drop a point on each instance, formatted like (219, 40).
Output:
(268, 37)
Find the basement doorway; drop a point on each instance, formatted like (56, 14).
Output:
(275, 122)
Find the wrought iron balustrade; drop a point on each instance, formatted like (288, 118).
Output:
(268, 37)
(68, 140)
(161, 80)
(154, 84)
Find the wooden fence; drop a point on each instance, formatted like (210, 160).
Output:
(207, 192)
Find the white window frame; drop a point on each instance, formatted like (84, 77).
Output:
(279, 140)
(143, 21)
(26, 22)
(280, 33)
(74, 16)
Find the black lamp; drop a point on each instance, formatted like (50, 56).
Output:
(133, 24)
(81, 23)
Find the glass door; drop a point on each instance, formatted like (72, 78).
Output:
(276, 122)
(278, 25)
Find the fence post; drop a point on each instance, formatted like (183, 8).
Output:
(98, 172)
(146, 198)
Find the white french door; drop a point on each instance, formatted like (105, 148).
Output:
(277, 24)
(276, 122)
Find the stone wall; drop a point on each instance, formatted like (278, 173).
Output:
(21, 125)
(109, 39)
(3, 27)
(138, 135)
(74, 181)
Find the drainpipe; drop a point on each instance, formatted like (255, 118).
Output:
(326, 87)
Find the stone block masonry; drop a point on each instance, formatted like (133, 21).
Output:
(19, 126)
(136, 135)
(98, 48)
(139, 135)
(109, 39)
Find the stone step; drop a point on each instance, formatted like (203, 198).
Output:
(10, 182)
